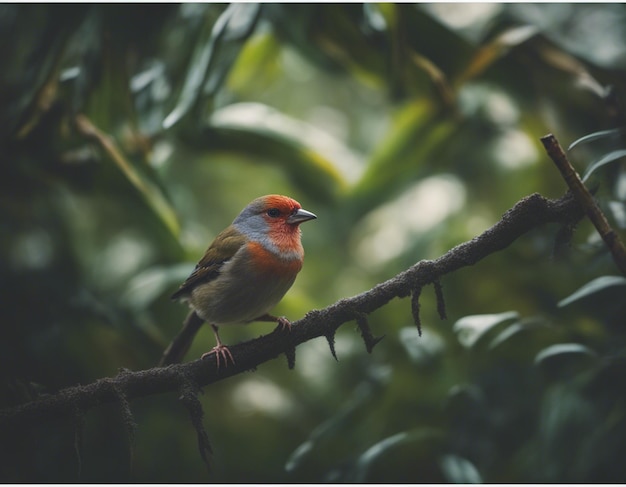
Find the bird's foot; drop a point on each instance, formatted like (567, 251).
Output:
(220, 351)
(283, 324)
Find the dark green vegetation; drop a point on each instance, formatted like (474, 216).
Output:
(132, 134)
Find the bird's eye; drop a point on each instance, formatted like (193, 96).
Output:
(273, 212)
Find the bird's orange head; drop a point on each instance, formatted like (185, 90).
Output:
(274, 221)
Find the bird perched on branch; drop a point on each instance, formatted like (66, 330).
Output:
(243, 274)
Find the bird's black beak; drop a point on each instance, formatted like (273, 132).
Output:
(300, 216)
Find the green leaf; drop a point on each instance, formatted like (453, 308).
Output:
(147, 187)
(416, 134)
(491, 52)
(299, 455)
(618, 212)
(506, 334)
(597, 135)
(295, 146)
(30, 70)
(563, 349)
(154, 197)
(258, 64)
(373, 18)
(147, 286)
(341, 39)
(612, 156)
(293, 25)
(459, 470)
(471, 328)
(236, 31)
(376, 451)
(360, 398)
(213, 58)
(423, 349)
(592, 287)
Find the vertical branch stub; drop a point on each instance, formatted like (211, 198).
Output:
(415, 309)
(189, 398)
(366, 333)
(127, 415)
(290, 353)
(330, 338)
(78, 419)
(441, 303)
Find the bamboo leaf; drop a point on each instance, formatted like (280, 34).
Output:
(417, 132)
(593, 287)
(360, 398)
(491, 52)
(563, 349)
(148, 189)
(459, 470)
(596, 136)
(375, 452)
(471, 328)
(611, 157)
(225, 40)
(312, 159)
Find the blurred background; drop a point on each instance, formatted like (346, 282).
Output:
(132, 134)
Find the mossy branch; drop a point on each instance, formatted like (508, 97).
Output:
(531, 212)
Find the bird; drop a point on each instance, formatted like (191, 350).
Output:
(243, 274)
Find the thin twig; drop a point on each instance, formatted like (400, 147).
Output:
(146, 188)
(584, 197)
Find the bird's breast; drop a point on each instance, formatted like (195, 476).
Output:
(249, 285)
(267, 262)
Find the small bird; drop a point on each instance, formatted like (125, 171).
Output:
(243, 274)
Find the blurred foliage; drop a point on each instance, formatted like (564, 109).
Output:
(132, 134)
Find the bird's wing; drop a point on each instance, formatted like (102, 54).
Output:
(223, 248)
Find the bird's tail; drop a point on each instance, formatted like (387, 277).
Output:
(176, 350)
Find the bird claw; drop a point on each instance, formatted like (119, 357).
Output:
(283, 324)
(220, 351)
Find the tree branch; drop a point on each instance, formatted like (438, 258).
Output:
(584, 197)
(529, 213)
